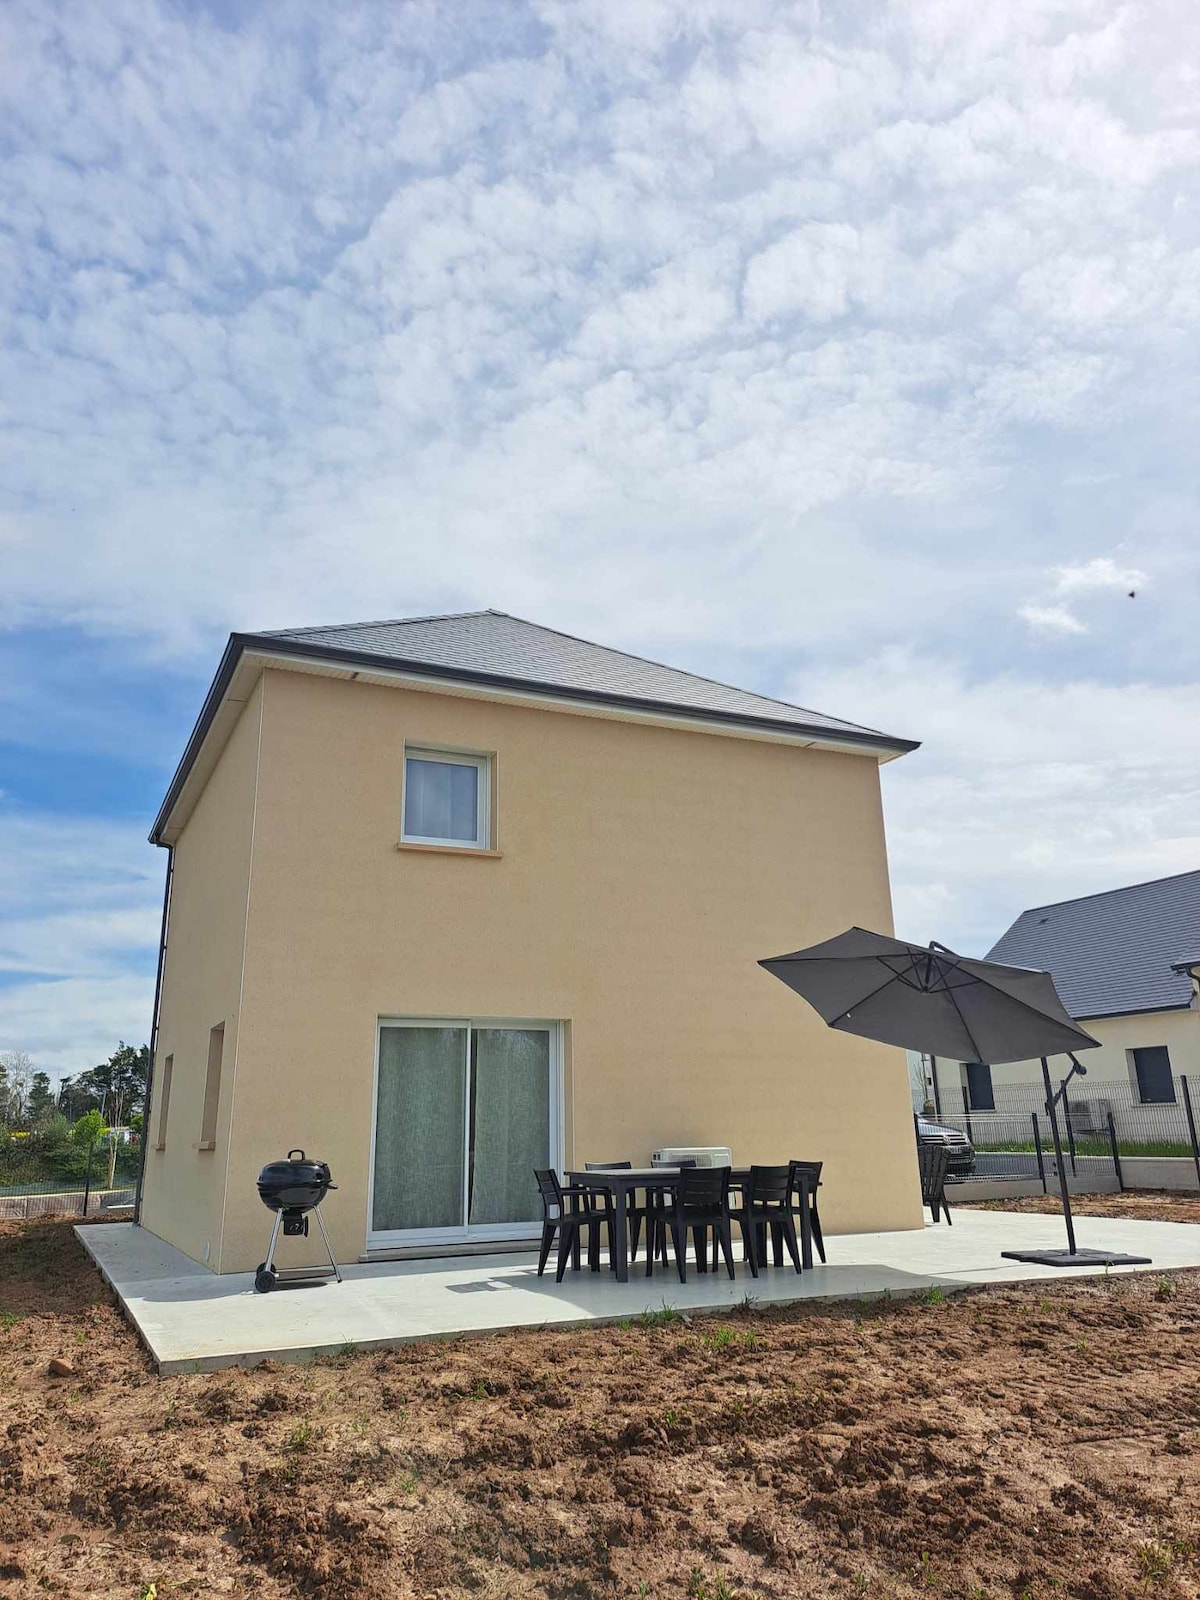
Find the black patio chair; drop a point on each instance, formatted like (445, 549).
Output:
(934, 1163)
(767, 1205)
(636, 1214)
(700, 1202)
(658, 1216)
(813, 1169)
(567, 1209)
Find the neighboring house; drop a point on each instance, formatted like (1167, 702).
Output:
(1124, 962)
(455, 897)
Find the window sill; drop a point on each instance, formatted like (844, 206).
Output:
(207, 1144)
(450, 850)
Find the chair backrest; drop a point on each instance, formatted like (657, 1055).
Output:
(813, 1171)
(934, 1162)
(550, 1190)
(608, 1166)
(769, 1185)
(702, 1188)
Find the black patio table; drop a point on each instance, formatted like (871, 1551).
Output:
(621, 1182)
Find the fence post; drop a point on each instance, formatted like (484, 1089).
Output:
(1066, 1103)
(1116, 1154)
(1037, 1145)
(967, 1113)
(1187, 1104)
(87, 1182)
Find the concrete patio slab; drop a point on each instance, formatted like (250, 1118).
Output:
(192, 1320)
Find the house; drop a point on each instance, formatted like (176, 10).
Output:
(453, 897)
(1125, 963)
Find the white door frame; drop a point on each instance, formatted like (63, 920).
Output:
(478, 1233)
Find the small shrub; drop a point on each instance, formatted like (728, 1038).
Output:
(1164, 1289)
(934, 1295)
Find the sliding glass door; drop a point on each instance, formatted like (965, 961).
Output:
(464, 1112)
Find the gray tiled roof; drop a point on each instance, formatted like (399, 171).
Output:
(1113, 953)
(492, 644)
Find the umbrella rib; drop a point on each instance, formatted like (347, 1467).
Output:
(1016, 1000)
(841, 1017)
(965, 1023)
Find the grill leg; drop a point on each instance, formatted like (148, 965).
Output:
(270, 1261)
(328, 1251)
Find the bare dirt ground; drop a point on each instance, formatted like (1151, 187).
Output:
(1030, 1443)
(1147, 1205)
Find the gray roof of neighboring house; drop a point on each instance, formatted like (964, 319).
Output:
(493, 646)
(1112, 954)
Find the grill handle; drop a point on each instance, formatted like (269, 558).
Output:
(292, 1154)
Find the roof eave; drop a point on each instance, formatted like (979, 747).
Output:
(1133, 1011)
(272, 644)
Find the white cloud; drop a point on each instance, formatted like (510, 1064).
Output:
(1023, 792)
(767, 338)
(1051, 619)
(1102, 572)
(82, 904)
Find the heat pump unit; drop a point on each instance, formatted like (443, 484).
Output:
(704, 1155)
(1090, 1116)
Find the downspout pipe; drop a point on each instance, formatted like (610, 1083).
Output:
(158, 980)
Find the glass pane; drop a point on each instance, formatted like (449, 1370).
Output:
(510, 1122)
(419, 1129)
(441, 800)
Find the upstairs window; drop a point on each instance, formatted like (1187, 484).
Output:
(446, 799)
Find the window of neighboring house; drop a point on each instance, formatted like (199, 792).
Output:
(212, 1087)
(447, 799)
(980, 1093)
(1152, 1071)
(164, 1101)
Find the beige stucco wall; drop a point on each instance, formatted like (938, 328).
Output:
(202, 975)
(643, 871)
(1178, 1030)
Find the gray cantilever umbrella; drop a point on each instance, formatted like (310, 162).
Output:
(926, 998)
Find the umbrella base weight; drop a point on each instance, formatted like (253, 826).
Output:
(1077, 1258)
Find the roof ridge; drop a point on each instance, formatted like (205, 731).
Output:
(381, 622)
(1100, 894)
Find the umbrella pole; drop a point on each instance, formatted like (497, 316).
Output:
(1052, 1113)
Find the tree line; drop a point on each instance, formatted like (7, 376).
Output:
(116, 1089)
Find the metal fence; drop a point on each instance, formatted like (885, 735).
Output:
(1104, 1126)
(68, 1180)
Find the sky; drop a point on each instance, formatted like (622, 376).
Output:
(845, 352)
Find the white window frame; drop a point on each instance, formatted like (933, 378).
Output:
(477, 1233)
(483, 810)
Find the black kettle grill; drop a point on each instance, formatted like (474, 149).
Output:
(291, 1189)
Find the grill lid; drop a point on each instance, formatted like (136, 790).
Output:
(296, 1169)
(296, 1183)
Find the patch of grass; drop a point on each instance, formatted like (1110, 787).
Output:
(9, 1319)
(407, 1483)
(698, 1589)
(1164, 1289)
(300, 1437)
(664, 1317)
(934, 1295)
(727, 1338)
(1155, 1559)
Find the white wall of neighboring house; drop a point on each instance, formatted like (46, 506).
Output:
(1112, 1063)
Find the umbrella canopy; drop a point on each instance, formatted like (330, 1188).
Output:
(924, 997)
